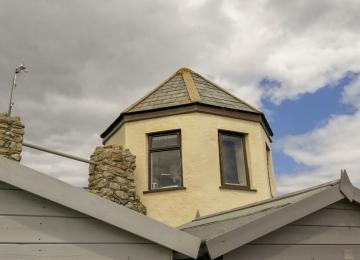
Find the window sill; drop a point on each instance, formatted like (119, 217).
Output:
(164, 189)
(236, 187)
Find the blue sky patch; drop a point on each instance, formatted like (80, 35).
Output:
(294, 117)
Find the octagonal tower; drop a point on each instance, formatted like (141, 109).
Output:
(198, 149)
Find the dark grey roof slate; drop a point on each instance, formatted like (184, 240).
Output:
(176, 91)
(213, 95)
(171, 93)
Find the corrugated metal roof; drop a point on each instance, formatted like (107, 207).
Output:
(211, 226)
(185, 87)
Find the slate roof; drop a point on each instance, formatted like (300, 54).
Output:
(171, 93)
(186, 87)
(186, 90)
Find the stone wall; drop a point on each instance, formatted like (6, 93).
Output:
(11, 137)
(112, 176)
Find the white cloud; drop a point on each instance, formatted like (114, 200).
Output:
(90, 59)
(351, 94)
(327, 149)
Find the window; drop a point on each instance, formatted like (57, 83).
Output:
(165, 170)
(233, 164)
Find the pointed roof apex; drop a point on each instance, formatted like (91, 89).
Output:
(183, 69)
(185, 87)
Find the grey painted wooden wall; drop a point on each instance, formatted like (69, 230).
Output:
(330, 233)
(35, 228)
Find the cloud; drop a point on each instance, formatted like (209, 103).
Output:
(326, 149)
(351, 94)
(89, 59)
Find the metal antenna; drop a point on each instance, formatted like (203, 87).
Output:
(18, 70)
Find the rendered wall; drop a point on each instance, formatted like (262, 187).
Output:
(201, 168)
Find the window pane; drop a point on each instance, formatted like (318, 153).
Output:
(165, 169)
(164, 140)
(233, 159)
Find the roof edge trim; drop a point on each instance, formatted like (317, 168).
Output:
(238, 237)
(194, 223)
(174, 110)
(190, 85)
(92, 205)
(346, 187)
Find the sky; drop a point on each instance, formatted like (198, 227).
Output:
(298, 61)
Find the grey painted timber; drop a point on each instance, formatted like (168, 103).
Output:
(39, 229)
(83, 252)
(330, 233)
(280, 228)
(295, 252)
(262, 226)
(49, 211)
(19, 202)
(312, 235)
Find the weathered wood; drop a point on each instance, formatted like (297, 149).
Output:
(312, 235)
(295, 252)
(356, 195)
(346, 187)
(227, 242)
(343, 204)
(332, 217)
(98, 208)
(19, 202)
(5, 186)
(26, 229)
(84, 252)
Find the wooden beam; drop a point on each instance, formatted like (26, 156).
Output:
(231, 240)
(92, 205)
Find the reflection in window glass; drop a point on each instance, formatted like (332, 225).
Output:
(165, 169)
(164, 141)
(165, 160)
(233, 159)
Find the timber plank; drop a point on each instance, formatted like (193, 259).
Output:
(20, 202)
(84, 252)
(343, 204)
(312, 235)
(27, 229)
(332, 217)
(5, 186)
(295, 252)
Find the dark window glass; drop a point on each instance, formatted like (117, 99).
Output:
(164, 141)
(233, 161)
(165, 160)
(165, 169)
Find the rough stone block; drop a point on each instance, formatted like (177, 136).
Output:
(113, 176)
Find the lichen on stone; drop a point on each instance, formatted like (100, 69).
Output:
(111, 175)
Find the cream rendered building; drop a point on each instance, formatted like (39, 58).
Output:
(199, 149)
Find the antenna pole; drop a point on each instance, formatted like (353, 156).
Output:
(11, 104)
(18, 69)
